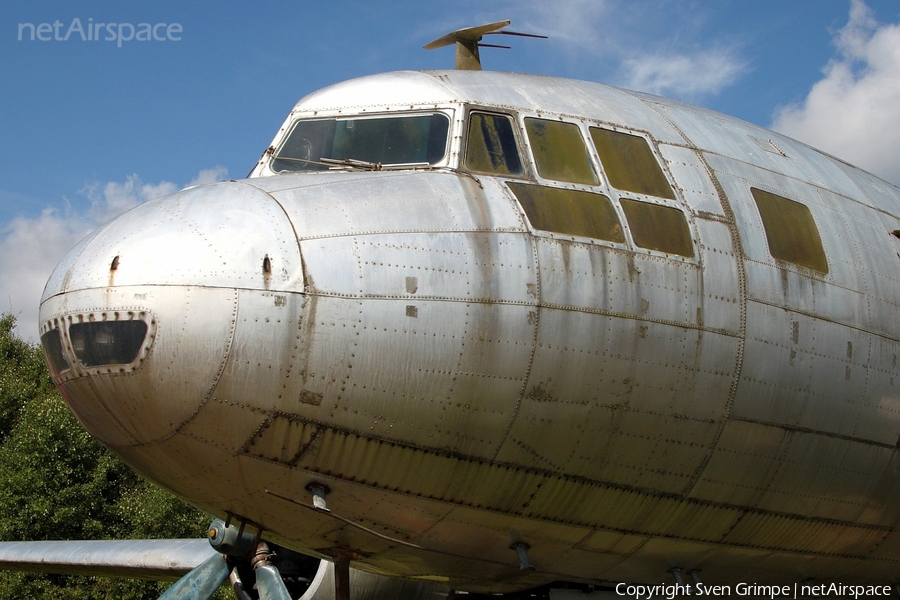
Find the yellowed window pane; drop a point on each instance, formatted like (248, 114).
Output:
(571, 212)
(790, 230)
(630, 164)
(491, 145)
(658, 227)
(559, 151)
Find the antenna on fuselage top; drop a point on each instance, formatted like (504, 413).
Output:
(468, 41)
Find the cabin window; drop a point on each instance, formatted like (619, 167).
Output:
(491, 146)
(657, 227)
(571, 212)
(51, 342)
(395, 140)
(559, 151)
(630, 164)
(790, 230)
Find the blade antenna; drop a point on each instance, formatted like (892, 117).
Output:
(468, 41)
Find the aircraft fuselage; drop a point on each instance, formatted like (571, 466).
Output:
(627, 333)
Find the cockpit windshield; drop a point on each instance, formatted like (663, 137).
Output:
(408, 140)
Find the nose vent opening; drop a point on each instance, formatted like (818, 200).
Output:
(91, 343)
(107, 342)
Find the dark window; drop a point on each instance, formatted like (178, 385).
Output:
(107, 342)
(571, 212)
(51, 342)
(790, 231)
(417, 139)
(656, 227)
(559, 151)
(491, 145)
(308, 142)
(630, 164)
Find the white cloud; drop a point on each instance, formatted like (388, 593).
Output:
(684, 75)
(853, 112)
(574, 23)
(113, 198)
(638, 36)
(31, 247)
(209, 176)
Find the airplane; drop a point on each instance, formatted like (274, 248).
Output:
(472, 332)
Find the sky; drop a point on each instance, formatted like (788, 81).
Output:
(97, 119)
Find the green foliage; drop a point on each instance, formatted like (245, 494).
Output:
(23, 374)
(57, 482)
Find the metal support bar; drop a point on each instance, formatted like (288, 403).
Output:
(341, 577)
(319, 492)
(521, 549)
(467, 56)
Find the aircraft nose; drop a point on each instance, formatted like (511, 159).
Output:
(137, 321)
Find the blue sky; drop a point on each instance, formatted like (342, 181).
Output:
(90, 128)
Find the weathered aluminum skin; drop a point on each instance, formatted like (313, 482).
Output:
(461, 382)
(145, 559)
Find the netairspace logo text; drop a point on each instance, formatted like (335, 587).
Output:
(93, 32)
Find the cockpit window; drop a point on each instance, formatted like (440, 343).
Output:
(559, 151)
(395, 140)
(491, 146)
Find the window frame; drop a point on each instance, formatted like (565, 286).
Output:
(77, 368)
(641, 248)
(294, 120)
(771, 233)
(654, 153)
(514, 121)
(615, 210)
(590, 157)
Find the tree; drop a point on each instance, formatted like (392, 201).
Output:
(23, 374)
(57, 482)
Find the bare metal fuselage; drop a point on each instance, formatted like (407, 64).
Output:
(461, 381)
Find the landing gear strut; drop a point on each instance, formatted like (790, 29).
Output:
(268, 580)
